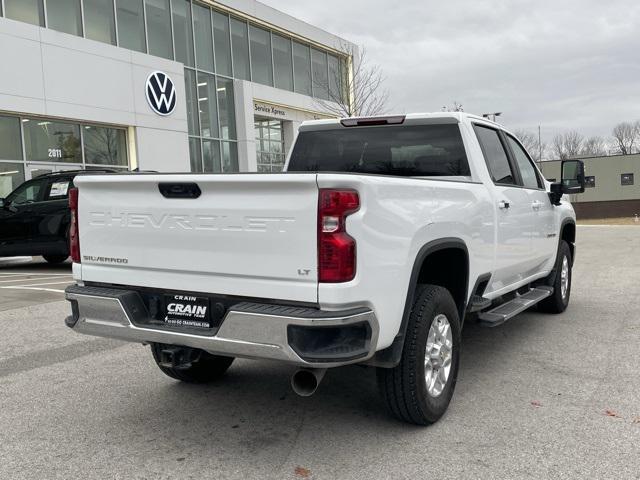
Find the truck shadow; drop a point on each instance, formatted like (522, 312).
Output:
(254, 408)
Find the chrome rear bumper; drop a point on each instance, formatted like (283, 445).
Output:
(249, 330)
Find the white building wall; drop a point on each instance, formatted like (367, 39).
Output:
(253, 99)
(284, 21)
(53, 74)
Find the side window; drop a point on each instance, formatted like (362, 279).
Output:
(58, 189)
(29, 192)
(495, 155)
(527, 170)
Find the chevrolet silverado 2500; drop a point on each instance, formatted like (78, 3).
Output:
(382, 236)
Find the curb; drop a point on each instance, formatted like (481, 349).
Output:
(14, 260)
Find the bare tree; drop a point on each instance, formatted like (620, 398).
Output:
(595, 147)
(103, 146)
(567, 145)
(531, 143)
(359, 93)
(627, 137)
(457, 107)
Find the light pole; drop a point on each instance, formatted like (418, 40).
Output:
(539, 149)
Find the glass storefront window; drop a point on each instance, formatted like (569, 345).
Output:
(159, 28)
(302, 68)
(105, 146)
(261, 66)
(195, 155)
(11, 175)
(130, 16)
(204, 37)
(211, 156)
(29, 11)
(227, 112)
(229, 157)
(10, 144)
(320, 81)
(282, 63)
(51, 141)
(335, 79)
(269, 145)
(183, 32)
(207, 104)
(240, 44)
(192, 101)
(65, 16)
(99, 21)
(222, 43)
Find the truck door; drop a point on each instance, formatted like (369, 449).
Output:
(16, 217)
(544, 233)
(50, 216)
(514, 220)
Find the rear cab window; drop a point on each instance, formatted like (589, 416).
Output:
(434, 150)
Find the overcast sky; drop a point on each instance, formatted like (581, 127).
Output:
(564, 64)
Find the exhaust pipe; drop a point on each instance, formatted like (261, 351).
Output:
(305, 381)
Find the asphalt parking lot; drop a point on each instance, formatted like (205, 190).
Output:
(540, 397)
(24, 283)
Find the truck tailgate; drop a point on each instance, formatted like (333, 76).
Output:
(245, 235)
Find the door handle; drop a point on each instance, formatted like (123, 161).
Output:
(536, 204)
(503, 205)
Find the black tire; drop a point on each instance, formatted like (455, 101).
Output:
(55, 259)
(404, 387)
(205, 367)
(557, 302)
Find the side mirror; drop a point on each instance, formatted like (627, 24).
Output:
(573, 176)
(572, 181)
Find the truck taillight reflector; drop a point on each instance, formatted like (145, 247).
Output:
(74, 234)
(336, 249)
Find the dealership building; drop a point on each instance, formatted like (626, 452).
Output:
(165, 85)
(611, 188)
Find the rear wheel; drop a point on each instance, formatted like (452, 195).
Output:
(189, 365)
(418, 390)
(560, 280)
(55, 259)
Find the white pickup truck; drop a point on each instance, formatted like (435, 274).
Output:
(383, 235)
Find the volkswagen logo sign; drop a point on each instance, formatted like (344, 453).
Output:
(161, 93)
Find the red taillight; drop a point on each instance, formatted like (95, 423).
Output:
(74, 234)
(336, 249)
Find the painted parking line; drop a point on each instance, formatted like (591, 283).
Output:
(68, 282)
(29, 279)
(607, 226)
(36, 288)
(17, 274)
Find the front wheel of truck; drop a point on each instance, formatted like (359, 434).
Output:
(560, 280)
(189, 365)
(418, 390)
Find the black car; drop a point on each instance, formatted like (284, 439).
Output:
(34, 218)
